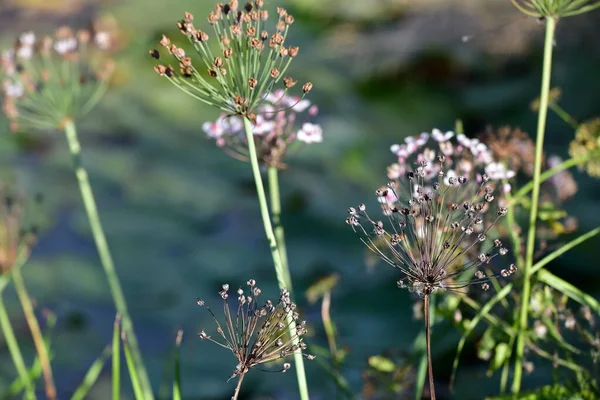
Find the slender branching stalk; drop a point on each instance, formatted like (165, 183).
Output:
(36, 333)
(535, 196)
(279, 232)
(236, 393)
(275, 251)
(15, 351)
(105, 255)
(426, 312)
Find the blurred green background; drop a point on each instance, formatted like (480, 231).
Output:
(181, 216)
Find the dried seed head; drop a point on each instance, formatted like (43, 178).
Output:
(293, 51)
(307, 87)
(274, 73)
(252, 83)
(289, 82)
(265, 341)
(154, 54)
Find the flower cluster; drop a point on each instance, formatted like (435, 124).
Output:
(462, 156)
(587, 143)
(257, 334)
(16, 238)
(250, 62)
(46, 81)
(513, 147)
(435, 225)
(274, 131)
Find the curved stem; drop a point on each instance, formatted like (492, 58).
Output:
(571, 162)
(279, 232)
(427, 316)
(275, 253)
(15, 351)
(238, 386)
(106, 259)
(535, 196)
(36, 333)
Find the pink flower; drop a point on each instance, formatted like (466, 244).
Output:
(310, 133)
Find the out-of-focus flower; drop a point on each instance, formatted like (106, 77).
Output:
(434, 225)
(49, 80)
(512, 147)
(587, 143)
(275, 132)
(248, 65)
(16, 238)
(257, 334)
(553, 98)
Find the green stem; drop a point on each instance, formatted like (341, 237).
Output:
(279, 232)
(275, 253)
(105, 256)
(558, 110)
(426, 309)
(15, 351)
(571, 162)
(535, 196)
(36, 333)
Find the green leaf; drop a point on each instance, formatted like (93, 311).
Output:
(382, 364)
(116, 360)
(566, 288)
(501, 354)
(133, 374)
(92, 375)
(177, 367)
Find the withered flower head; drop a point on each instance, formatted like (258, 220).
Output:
(257, 333)
(16, 239)
(587, 145)
(275, 132)
(46, 82)
(247, 69)
(555, 8)
(433, 224)
(512, 147)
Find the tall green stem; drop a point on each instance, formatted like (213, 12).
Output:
(275, 252)
(279, 232)
(427, 316)
(36, 333)
(15, 351)
(535, 196)
(105, 256)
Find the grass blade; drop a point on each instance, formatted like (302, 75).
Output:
(91, 375)
(131, 367)
(116, 360)
(177, 367)
(571, 291)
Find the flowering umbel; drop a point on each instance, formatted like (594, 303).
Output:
(275, 132)
(555, 8)
(16, 239)
(434, 223)
(47, 81)
(257, 334)
(249, 63)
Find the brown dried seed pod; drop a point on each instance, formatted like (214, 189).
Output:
(288, 82)
(188, 17)
(252, 82)
(275, 73)
(307, 87)
(293, 51)
(154, 54)
(227, 53)
(212, 72)
(201, 36)
(165, 41)
(218, 62)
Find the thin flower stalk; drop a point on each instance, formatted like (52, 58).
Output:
(434, 224)
(281, 271)
(533, 215)
(257, 335)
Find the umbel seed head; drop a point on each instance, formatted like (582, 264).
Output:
(253, 63)
(56, 78)
(257, 334)
(555, 8)
(435, 235)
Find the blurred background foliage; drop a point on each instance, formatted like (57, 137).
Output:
(182, 217)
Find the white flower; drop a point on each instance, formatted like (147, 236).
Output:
(224, 125)
(27, 39)
(262, 125)
(439, 136)
(25, 52)
(65, 45)
(13, 89)
(310, 133)
(496, 171)
(102, 40)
